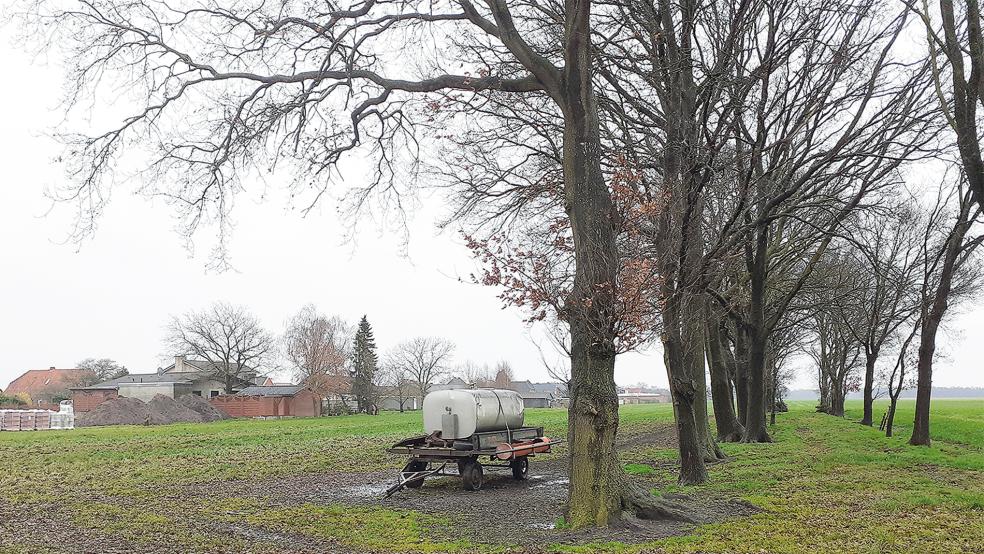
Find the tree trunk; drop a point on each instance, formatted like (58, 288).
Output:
(755, 430)
(871, 356)
(728, 427)
(890, 419)
(599, 489)
(931, 324)
(924, 387)
(694, 359)
(683, 391)
(741, 373)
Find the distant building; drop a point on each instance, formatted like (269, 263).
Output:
(184, 376)
(643, 397)
(47, 386)
(454, 383)
(540, 395)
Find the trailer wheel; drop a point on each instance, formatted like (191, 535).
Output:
(520, 467)
(415, 465)
(471, 475)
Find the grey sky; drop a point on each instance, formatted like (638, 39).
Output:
(112, 297)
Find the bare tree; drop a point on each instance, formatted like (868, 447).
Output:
(425, 359)
(225, 88)
(230, 338)
(946, 254)
(103, 369)
(956, 45)
(318, 349)
(887, 257)
(396, 380)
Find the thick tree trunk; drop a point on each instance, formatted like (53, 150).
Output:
(728, 427)
(871, 356)
(924, 387)
(755, 430)
(694, 359)
(599, 490)
(837, 396)
(683, 392)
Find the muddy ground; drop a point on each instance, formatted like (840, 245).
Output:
(505, 511)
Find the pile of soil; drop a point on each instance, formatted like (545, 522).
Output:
(119, 411)
(161, 410)
(203, 407)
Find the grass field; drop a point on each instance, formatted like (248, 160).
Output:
(826, 485)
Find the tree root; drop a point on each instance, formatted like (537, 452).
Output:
(640, 503)
(734, 436)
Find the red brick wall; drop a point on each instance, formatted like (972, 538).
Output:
(303, 404)
(87, 400)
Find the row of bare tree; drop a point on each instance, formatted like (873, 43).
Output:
(709, 175)
(322, 352)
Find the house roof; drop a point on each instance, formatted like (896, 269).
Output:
(37, 380)
(272, 390)
(138, 378)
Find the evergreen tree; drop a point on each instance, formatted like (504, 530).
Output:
(364, 367)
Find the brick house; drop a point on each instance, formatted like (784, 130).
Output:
(184, 376)
(47, 386)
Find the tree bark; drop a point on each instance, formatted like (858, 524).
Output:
(599, 489)
(755, 430)
(890, 419)
(683, 392)
(871, 355)
(728, 427)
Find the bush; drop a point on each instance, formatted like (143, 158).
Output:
(6, 400)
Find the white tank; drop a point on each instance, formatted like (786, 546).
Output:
(461, 413)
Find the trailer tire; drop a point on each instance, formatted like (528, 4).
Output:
(415, 465)
(520, 467)
(471, 475)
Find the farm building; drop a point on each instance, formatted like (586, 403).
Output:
(46, 387)
(643, 397)
(539, 395)
(270, 401)
(184, 376)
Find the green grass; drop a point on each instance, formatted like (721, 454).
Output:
(826, 484)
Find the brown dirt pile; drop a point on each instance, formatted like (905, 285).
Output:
(161, 410)
(203, 407)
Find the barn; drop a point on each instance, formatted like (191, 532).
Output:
(270, 401)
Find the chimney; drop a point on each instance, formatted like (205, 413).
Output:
(179, 364)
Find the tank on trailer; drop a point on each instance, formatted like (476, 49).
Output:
(460, 413)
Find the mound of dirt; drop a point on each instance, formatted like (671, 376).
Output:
(164, 409)
(203, 407)
(119, 411)
(161, 410)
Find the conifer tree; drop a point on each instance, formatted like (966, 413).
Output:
(364, 367)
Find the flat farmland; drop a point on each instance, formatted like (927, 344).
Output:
(315, 485)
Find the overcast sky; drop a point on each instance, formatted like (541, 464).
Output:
(113, 296)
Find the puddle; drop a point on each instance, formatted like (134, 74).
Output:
(363, 491)
(550, 483)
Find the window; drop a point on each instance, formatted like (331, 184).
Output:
(213, 394)
(196, 392)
